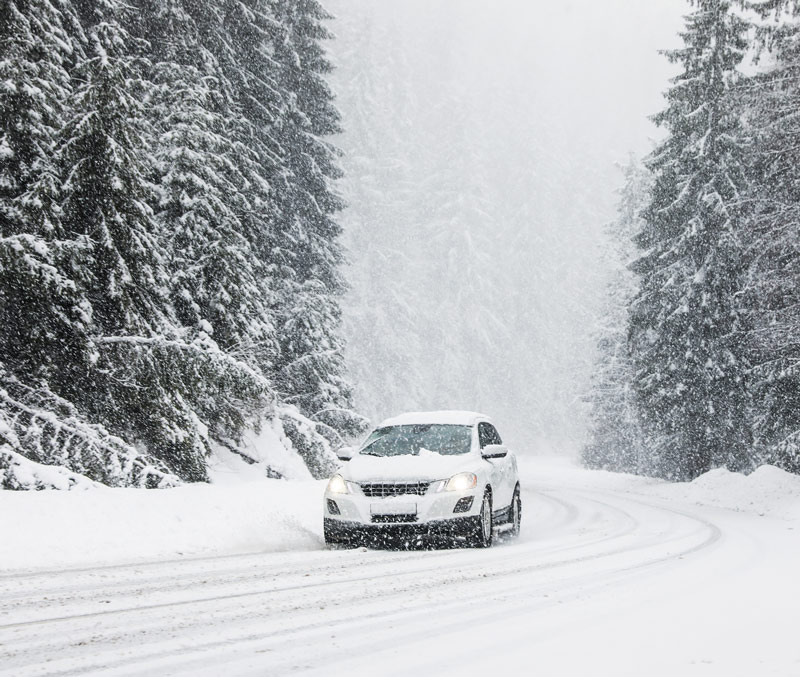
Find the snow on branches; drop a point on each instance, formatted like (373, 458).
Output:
(45, 443)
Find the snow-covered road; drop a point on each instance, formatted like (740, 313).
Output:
(611, 576)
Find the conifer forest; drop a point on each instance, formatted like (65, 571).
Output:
(698, 362)
(199, 249)
(170, 271)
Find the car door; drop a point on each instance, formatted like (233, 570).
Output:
(502, 473)
(508, 470)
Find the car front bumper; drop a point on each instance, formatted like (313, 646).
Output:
(357, 533)
(429, 507)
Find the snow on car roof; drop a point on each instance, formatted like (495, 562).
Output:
(435, 417)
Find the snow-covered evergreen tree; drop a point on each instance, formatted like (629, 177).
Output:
(685, 324)
(44, 315)
(772, 298)
(47, 316)
(310, 373)
(616, 440)
(105, 204)
(38, 45)
(150, 382)
(220, 284)
(246, 54)
(40, 307)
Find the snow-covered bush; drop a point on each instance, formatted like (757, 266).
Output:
(45, 443)
(305, 439)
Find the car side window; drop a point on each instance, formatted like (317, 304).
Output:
(487, 434)
(483, 435)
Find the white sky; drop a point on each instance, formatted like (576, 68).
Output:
(594, 63)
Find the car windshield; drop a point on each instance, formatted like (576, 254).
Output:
(401, 440)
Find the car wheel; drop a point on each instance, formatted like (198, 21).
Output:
(484, 532)
(516, 513)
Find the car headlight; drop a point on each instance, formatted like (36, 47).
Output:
(462, 482)
(337, 485)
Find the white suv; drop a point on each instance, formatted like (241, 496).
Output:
(435, 474)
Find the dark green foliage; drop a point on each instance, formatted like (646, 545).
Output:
(712, 330)
(684, 323)
(36, 55)
(311, 367)
(43, 315)
(106, 198)
(151, 228)
(38, 426)
(772, 294)
(105, 195)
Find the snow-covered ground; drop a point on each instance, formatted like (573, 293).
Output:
(612, 575)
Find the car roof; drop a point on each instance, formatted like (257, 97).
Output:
(435, 417)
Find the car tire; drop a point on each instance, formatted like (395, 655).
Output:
(516, 513)
(484, 529)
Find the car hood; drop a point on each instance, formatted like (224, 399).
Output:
(426, 466)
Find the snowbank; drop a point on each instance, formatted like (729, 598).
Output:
(244, 512)
(270, 450)
(18, 471)
(53, 529)
(767, 491)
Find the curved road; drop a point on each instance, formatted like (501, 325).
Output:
(599, 583)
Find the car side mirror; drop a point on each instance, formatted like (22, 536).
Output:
(346, 453)
(494, 451)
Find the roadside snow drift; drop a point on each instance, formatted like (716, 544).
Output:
(241, 514)
(55, 529)
(767, 491)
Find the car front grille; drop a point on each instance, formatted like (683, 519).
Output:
(394, 519)
(387, 489)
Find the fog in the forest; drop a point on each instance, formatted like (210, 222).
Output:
(480, 150)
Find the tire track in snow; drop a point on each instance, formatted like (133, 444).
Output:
(246, 616)
(55, 593)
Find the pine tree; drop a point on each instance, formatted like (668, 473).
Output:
(615, 435)
(220, 284)
(771, 293)
(311, 369)
(106, 198)
(217, 112)
(36, 54)
(45, 315)
(41, 309)
(684, 323)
